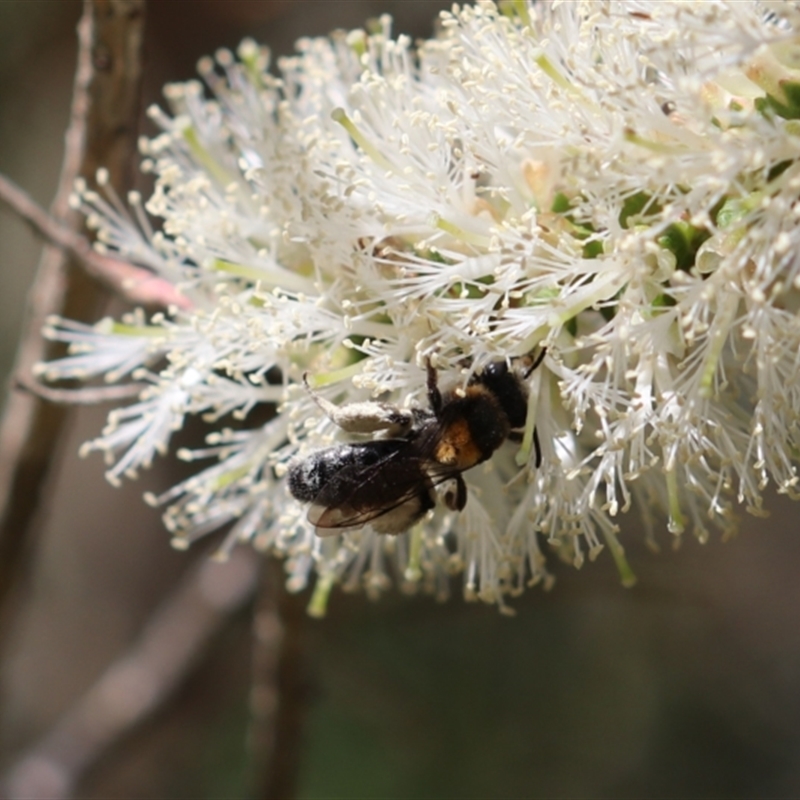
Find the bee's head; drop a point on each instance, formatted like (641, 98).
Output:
(505, 385)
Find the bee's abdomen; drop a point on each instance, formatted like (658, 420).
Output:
(307, 478)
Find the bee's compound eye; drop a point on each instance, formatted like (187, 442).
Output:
(496, 369)
(497, 374)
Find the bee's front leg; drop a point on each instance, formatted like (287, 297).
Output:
(456, 500)
(434, 395)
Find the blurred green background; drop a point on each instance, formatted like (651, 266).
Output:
(686, 686)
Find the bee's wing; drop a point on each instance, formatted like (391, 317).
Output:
(395, 490)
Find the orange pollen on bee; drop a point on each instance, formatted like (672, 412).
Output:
(457, 448)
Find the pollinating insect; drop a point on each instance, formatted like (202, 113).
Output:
(390, 482)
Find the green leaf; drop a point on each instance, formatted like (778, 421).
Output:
(593, 249)
(683, 241)
(788, 110)
(561, 204)
(639, 204)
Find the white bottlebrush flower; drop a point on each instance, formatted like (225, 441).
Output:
(615, 181)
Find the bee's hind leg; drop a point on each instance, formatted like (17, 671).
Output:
(366, 417)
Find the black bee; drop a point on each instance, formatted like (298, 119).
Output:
(389, 482)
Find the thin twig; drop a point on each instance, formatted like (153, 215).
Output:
(137, 684)
(280, 688)
(29, 428)
(88, 395)
(106, 91)
(102, 133)
(268, 634)
(135, 284)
